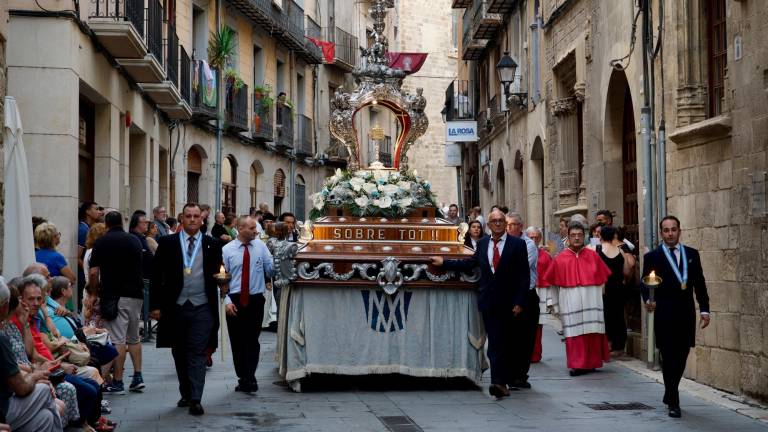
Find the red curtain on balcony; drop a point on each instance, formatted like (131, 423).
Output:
(408, 62)
(329, 48)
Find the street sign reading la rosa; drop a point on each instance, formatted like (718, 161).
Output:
(461, 131)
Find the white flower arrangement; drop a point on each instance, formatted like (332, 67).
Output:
(373, 193)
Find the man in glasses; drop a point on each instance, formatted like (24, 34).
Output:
(503, 288)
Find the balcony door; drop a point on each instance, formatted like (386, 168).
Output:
(229, 185)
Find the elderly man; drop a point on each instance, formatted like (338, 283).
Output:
(526, 325)
(502, 298)
(160, 215)
(26, 401)
(579, 274)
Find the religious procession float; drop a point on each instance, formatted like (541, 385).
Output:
(359, 296)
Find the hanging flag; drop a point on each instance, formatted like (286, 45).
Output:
(410, 63)
(329, 48)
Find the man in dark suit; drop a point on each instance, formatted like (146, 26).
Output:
(503, 289)
(183, 298)
(679, 267)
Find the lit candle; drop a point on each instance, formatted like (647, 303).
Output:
(651, 276)
(221, 269)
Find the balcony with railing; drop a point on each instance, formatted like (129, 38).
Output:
(461, 4)
(236, 107)
(127, 32)
(345, 56)
(502, 6)
(306, 136)
(460, 100)
(284, 123)
(203, 95)
(119, 26)
(485, 25)
(262, 129)
(471, 48)
(312, 53)
(185, 80)
(167, 94)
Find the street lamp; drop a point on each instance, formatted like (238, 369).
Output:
(506, 68)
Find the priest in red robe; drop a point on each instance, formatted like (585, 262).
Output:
(579, 274)
(547, 297)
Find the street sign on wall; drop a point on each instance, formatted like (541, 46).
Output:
(452, 154)
(461, 131)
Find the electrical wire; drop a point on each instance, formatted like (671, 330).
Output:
(618, 63)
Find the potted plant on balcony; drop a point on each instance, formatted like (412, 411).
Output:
(261, 104)
(233, 80)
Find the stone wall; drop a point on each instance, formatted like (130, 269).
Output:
(3, 87)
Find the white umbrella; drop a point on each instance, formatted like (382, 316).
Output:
(18, 241)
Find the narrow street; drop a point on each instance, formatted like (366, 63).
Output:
(556, 402)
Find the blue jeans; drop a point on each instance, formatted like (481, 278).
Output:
(88, 398)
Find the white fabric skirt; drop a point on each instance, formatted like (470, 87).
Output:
(581, 310)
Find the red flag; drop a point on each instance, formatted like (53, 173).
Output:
(329, 48)
(410, 63)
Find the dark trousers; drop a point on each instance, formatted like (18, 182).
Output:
(195, 324)
(88, 398)
(673, 361)
(524, 327)
(615, 325)
(244, 330)
(499, 328)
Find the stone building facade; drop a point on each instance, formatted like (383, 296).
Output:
(582, 149)
(3, 86)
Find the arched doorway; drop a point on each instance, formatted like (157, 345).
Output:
(518, 205)
(256, 169)
(501, 189)
(229, 185)
(279, 191)
(537, 212)
(301, 199)
(194, 172)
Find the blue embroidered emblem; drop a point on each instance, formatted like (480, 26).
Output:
(385, 313)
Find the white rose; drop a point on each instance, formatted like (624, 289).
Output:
(318, 201)
(395, 176)
(361, 174)
(405, 202)
(389, 189)
(404, 185)
(362, 201)
(383, 202)
(356, 183)
(380, 175)
(369, 187)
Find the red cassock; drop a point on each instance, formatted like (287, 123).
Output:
(579, 278)
(545, 260)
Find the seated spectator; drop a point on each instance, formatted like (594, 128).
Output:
(26, 402)
(64, 391)
(47, 237)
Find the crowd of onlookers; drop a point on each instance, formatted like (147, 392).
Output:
(65, 332)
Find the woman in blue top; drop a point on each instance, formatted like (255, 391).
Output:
(47, 237)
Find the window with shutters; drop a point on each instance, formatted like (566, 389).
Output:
(717, 53)
(194, 171)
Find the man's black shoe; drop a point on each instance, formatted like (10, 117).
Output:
(521, 384)
(675, 412)
(195, 408)
(182, 403)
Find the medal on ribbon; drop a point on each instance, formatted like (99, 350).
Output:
(189, 260)
(682, 278)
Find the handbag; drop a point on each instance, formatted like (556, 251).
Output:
(109, 309)
(98, 338)
(79, 354)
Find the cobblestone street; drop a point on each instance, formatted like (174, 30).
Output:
(556, 402)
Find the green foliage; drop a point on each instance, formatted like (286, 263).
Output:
(221, 47)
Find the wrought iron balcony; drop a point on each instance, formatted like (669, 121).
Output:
(461, 4)
(485, 24)
(168, 93)
(262, 129)
(460, 100)
(172, 55)
(313, 54)
(185, 79)
(204, 94)
(502, 6)
(284, 123)
(236, 108)
(155, 29)
(471, 48)
(119, 26)
(347, 47)
(306, 134)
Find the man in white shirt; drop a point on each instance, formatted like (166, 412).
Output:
(248, 261)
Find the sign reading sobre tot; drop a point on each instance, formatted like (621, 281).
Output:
(461, 131)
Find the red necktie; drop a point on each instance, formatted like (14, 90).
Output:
(244, 287)
(496, 254)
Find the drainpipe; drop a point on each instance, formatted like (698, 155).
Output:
(219, 121)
